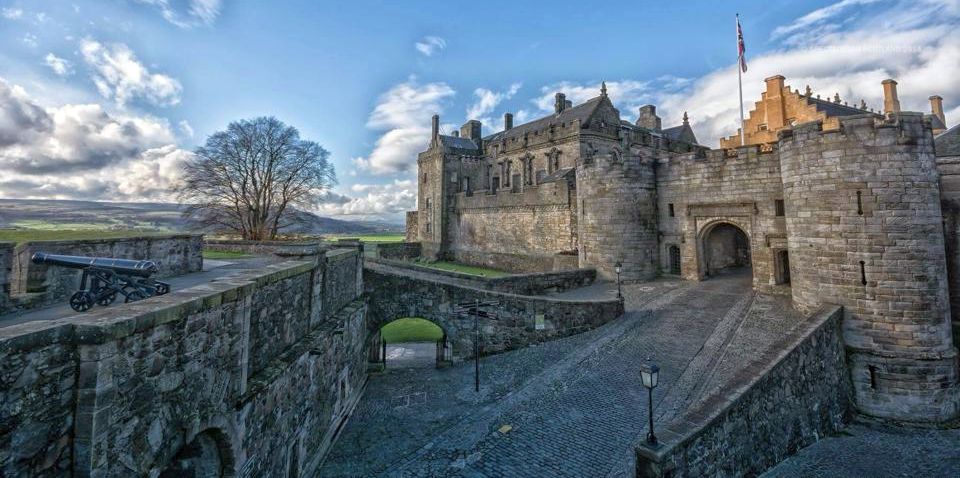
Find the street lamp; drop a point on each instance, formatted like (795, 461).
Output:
(618, 267)
(650, 375)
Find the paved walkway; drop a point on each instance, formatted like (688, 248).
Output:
(412, 355)
(571, 407)
(870, 450)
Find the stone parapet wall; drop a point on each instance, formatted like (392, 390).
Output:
(411, 230)
(524, 284)
(6, 264)
(174, 254)
(281, 248)
(403, 251)
(517, 263)
(866, 232)
(343, 278)
(521, 320)
(796, 393)
(118, 392)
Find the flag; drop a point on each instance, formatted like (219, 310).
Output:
(741, 49)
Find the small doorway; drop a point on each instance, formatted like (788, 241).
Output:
(782, 267)
(413, 342)
(675, 259)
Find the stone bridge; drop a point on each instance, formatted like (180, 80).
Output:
(400, 290)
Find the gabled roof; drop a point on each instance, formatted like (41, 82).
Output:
(835, 109)
(681, 133)
(581, 112)
(948, 142)
(935, 122)
(456, 142)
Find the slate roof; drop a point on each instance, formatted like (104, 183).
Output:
(948, 142)
(456, 142)
(681, 133)
(580, 112)
(836, 109)
(935, 122)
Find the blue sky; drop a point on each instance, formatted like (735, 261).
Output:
(103, 99)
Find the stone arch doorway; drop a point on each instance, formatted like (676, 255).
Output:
(782, 267)
(411, 342)
(207, 455)
(726, 248)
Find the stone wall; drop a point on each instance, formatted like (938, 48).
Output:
(866, 232)
(536, 283)
(253, 363)
(174, 254)
(716, 187)
(794, 394)
(6, 264)
(281, 248)
(949, 168)
(521, 320)
(411, 230)
(403, 251)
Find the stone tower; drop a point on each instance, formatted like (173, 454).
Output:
(617, 210)
(431, 195)
(864, 231)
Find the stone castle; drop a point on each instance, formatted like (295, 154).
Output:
(827, 202)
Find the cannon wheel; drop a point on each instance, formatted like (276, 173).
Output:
(104, 300)
(162, 288)
(81, 301)
(135, 295)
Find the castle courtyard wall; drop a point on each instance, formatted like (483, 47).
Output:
(949, 168)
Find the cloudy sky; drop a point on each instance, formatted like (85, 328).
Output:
(103, 99)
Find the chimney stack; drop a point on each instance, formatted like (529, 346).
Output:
(435, 128)
(561, 103)
(648, 118)
(936, 107)
(507, 121)
(891, 104)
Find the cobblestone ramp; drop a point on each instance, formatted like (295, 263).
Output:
(573, 407)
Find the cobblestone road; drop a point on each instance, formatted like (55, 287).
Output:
(571, 407)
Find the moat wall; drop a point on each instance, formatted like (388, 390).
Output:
(796, 393)
(263, 366)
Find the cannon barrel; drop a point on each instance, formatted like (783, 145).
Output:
(121, 266)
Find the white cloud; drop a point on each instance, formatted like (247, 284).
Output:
(430, 45)
(487, 101)
(390, 200)
(404, 113)
(11, 13)
(627, 95)
(119, 75)
(30, 40)
(80, 151)
(915, 42)
(816, 21)
(187, 13)
(60, 66)
(185, 128)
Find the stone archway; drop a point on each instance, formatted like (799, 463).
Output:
(411, 342)
(725, 246)
(207, 455)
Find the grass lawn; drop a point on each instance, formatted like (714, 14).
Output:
(369, 237)
(224, 255)
(26, 235)
(411, 329)
(473, 270)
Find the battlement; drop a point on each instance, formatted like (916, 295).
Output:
(906, 127)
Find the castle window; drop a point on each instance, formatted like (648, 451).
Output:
(424, 178)
(762, 127)
(863, 273)
(859, 203)
(873, 376)
(428, 203)
(428, 227)
(778, 206)
(466, 184)
(670, 208)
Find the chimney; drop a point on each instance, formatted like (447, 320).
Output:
(507, 121)
(435, 128)
(471, 130)
(936, 107)
(648, 118)
(561, 103)
(891, 104)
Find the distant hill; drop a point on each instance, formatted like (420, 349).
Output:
(37, 213)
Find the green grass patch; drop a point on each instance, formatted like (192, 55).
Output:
(225, 255)
(465, 269)
(368, 237)
(411, 329)
(27, 235)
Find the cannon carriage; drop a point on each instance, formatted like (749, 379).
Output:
(106, 279)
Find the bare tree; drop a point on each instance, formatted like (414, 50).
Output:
(251, 178)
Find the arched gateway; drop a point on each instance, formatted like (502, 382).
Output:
(723, 246)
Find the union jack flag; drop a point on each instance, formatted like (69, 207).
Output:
(741, 48)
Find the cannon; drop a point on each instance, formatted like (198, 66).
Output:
(104, 279)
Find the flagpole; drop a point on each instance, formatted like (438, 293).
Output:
(740, 83)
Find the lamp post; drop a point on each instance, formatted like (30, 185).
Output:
(618, 267)
(650, 375)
